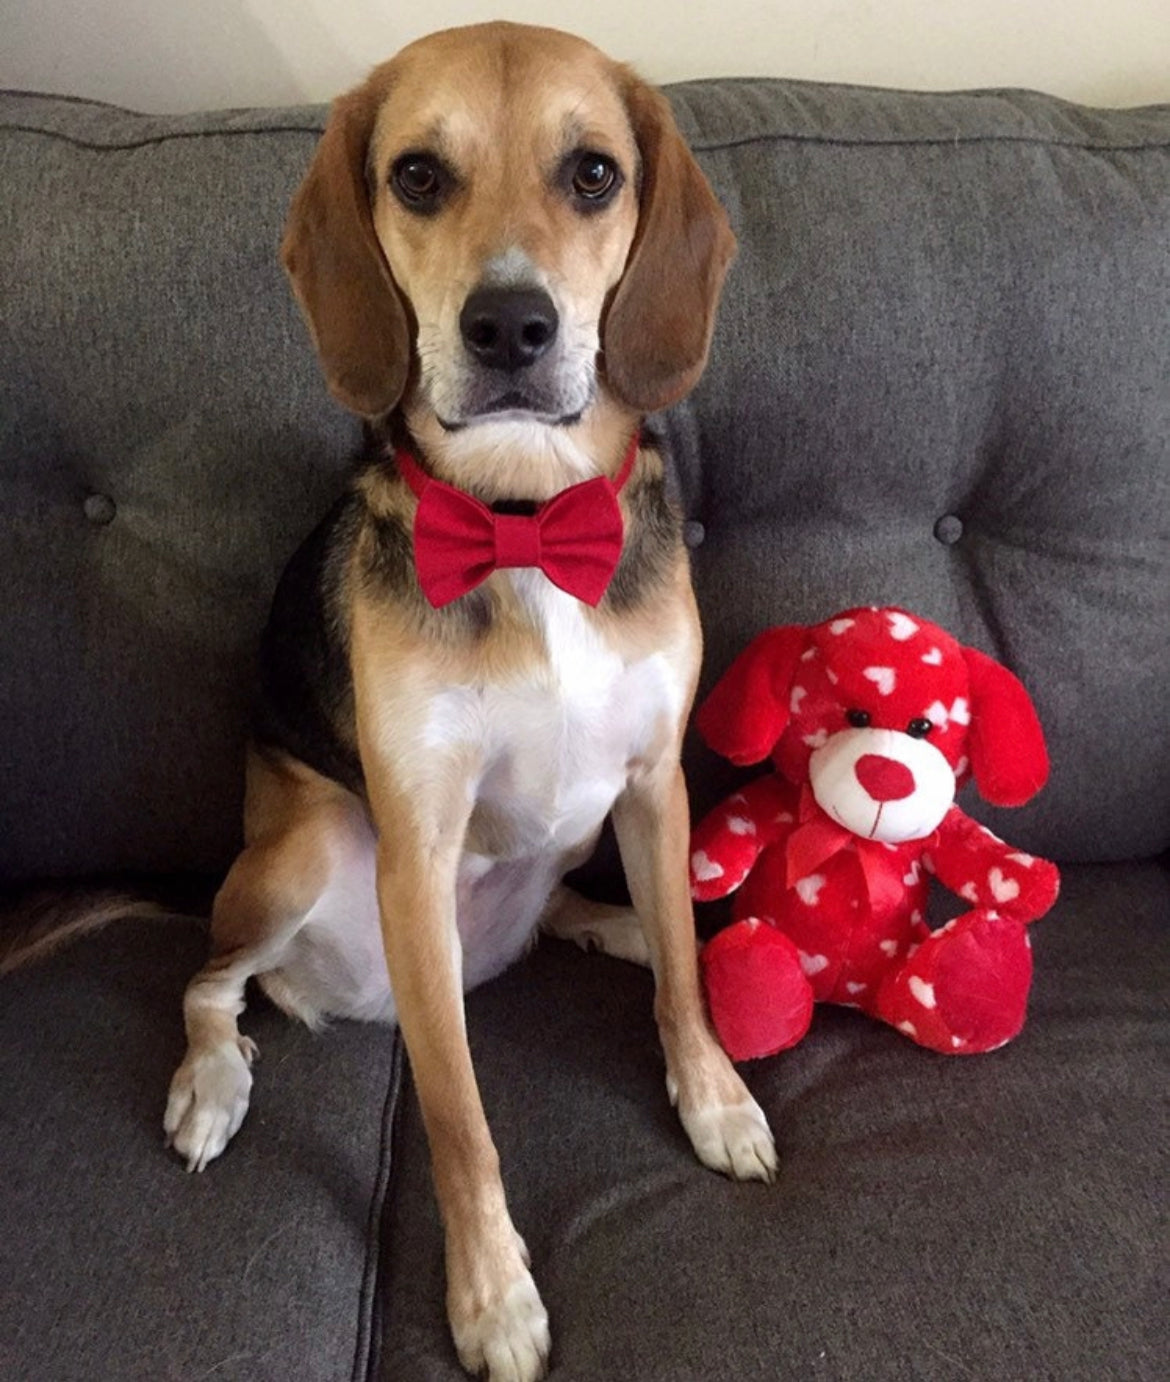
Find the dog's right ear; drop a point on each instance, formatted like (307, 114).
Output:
(338, 271)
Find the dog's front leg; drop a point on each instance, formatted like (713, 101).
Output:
(725, 1124)
(496, 1315)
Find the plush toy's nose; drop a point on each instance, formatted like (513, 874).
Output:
(885, 779)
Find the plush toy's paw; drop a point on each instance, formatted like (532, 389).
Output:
(989, 874)
(719, 866)
(965, 989)
(758, 996)
(1038, 881)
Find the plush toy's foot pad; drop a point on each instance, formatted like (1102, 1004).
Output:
(758, 996)
(965, 990)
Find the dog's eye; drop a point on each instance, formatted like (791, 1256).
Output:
(859, 719)
(418, 180)
(919, 728)
(595, 177)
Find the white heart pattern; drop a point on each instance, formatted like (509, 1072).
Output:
(704, 867)
(922, 991)
(741, 825)
(902, 626)
(840, 626)
(1002, 889)
(933, 658)
(884, 678)
(937, 714)
(809, 889)
(812, 964)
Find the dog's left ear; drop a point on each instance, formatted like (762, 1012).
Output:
(337, 269)
(658, 327)
(1006, 744)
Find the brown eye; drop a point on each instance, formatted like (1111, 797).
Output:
(919, 728)
(418, 180)
(595, 177)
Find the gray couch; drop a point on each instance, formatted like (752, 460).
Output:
(941, 379)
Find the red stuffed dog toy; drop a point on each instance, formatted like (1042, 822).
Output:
(873, 719)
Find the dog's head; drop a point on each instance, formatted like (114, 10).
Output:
(884, 715)
(499, 223)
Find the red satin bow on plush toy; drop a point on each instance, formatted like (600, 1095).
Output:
(575, 538)
(818, 839)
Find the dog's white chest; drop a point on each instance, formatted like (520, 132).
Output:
(556, 749)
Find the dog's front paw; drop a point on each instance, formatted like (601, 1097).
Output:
(733, 1138)
(208, 1100)
(501, 1330)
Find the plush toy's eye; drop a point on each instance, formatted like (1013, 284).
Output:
(859, 719)
(919, 728)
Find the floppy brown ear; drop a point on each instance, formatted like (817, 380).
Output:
(339, 275)
(658, 327)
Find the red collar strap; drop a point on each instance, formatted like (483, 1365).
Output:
(575, 538)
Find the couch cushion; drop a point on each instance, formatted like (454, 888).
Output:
(116, 1264)
(996, 1217)
(943, 306)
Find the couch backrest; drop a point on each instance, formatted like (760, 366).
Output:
(941, 379)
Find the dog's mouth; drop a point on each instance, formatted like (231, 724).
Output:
(512, 406)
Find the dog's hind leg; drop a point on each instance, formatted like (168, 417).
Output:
(301, 831)
(593, 925)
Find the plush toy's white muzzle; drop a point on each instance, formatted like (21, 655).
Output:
(882, 784)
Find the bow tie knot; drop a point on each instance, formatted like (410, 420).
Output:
(517, 539)
(575, 538)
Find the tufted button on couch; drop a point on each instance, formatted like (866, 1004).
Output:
(941, 379)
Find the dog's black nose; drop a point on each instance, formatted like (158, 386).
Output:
(508, 328)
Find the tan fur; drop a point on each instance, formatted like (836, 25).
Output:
(382, 291)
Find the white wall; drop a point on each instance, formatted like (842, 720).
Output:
(186, 54)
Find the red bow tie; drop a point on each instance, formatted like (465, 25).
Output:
(575, 538)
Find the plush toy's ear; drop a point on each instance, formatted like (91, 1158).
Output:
(748, 710)
(1005, 742)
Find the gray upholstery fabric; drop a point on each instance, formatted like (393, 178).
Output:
(1000, 1217)
(116, 1264)
(943, 305)
(149, 352)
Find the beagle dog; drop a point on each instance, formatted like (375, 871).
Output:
(505, 255)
